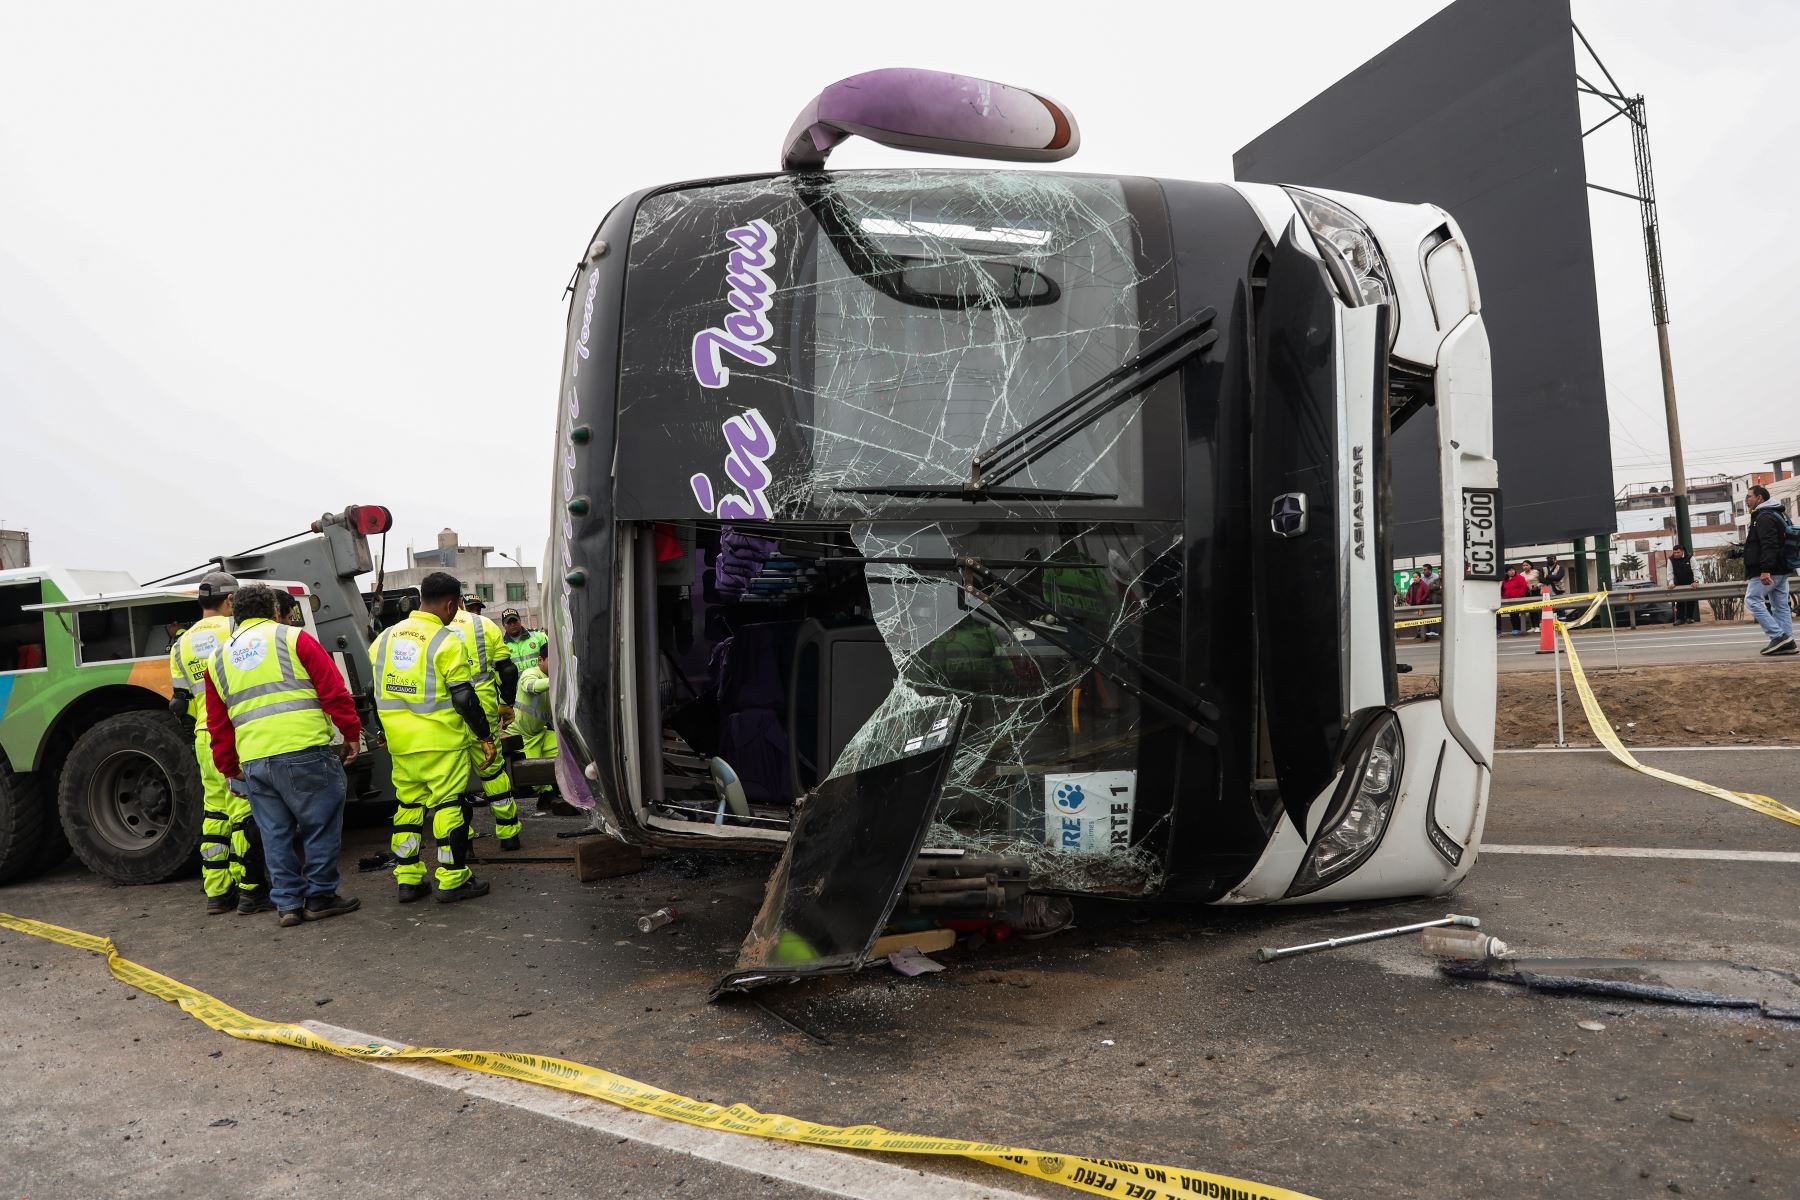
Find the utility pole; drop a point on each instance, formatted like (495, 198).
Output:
(1632, 109)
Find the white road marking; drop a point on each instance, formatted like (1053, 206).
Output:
(1638, 749)
(1774, 856)
(824, 1170)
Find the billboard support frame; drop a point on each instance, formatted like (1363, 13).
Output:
(1632, 108)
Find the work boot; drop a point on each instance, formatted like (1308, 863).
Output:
(290, 918)
(218, 905)
(334, 905)
(511, 843)
(414, 891)
(249, 904)
(468, 891)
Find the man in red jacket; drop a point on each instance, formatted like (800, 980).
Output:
(273, 696)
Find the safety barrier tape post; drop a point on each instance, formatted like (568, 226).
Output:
(1096, 1176)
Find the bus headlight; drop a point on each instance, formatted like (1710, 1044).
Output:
(1348, 248)
(1354, 829)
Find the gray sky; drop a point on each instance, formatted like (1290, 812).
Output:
(258, 262)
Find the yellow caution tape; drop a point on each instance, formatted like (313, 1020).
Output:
(1603, 729)
(1527, 606)
(1099, 1176)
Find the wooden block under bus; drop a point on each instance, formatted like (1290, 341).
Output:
(604, 858)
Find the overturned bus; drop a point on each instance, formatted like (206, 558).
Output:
(978, 538)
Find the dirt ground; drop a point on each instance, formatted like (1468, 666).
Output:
(1690, 704)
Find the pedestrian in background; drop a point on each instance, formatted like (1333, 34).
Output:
(1556, 575)
(272, 697)
(1417, 593)
(1512, 591)
(1681, 574)
(1534, 586)
(1766, 570)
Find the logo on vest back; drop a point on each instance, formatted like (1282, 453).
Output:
(205, 643)
(249, 654)
(405, 654)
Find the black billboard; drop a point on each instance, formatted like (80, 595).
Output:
(1475, 111)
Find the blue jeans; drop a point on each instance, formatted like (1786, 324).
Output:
(1769, 605)
(298, 800)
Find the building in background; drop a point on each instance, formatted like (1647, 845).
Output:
(1647, 520)
(511, 585)
(15, 549)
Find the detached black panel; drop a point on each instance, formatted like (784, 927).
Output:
(1475, 111)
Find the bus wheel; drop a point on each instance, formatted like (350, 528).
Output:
(130, 799)
(25, 819)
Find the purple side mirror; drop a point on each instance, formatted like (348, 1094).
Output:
(933, 111)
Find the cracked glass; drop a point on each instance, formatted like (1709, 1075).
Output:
(813, 365)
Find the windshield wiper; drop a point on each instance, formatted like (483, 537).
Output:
(941, 491)
(1019, 449)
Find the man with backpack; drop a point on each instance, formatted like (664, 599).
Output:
(1770, 548)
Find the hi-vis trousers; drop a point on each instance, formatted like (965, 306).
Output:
(431, 782)
(230, 847)
(496, 785)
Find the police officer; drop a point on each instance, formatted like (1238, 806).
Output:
(496, 682)
(426, 700)
(231, 866)
(523, 644)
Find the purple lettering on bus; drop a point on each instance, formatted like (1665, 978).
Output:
(752, 292)
(751, 443)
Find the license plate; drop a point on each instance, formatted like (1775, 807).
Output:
(1482, 544)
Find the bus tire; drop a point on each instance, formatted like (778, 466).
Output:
(130, 799)
(24, 816)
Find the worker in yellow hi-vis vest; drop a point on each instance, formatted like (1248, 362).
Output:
(425, 697)
(231, 863)
(496, 682)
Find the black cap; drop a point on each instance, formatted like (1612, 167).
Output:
(511, 614)
(473, 601)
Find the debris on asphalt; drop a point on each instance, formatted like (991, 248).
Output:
(1715, 983)
(375, 862)
(222, 1123)
(1270, 954)
(910, 962)
(1463, 945)
(322, 1001)
(1592, 1026)
(656, 920)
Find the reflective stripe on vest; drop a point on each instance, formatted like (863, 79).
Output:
(432, 702)
(251, 704)
(479, 651)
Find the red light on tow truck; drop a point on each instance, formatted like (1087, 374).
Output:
(368, 519)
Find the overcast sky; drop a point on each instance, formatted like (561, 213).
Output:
(258, 262)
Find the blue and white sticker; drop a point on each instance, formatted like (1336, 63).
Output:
(404, 655)
(247, 655)
(1089, 812)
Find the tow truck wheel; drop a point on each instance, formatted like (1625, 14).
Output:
(130, 799)
(24, 821)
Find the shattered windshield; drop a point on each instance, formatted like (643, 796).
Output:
(822, 345)
(809, 368)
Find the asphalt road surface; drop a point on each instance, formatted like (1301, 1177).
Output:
(1645, 646)
(1141, 1034)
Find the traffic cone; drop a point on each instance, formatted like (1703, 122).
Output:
(1547, 627)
